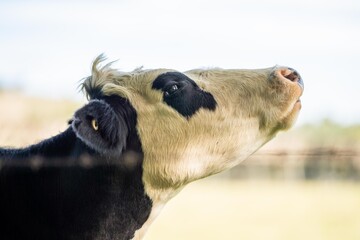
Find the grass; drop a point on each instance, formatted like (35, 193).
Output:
(257, 210)
(26, 120)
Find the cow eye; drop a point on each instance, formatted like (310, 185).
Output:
(94, 124)
(171, 90)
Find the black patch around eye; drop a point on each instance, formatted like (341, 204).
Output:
(188, 97)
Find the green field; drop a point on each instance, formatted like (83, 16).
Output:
(257, 210)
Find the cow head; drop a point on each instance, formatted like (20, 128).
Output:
(197, 123)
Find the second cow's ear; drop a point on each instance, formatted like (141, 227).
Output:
(101, 128)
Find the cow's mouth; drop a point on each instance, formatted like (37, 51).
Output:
(291, 87)
(297, 105)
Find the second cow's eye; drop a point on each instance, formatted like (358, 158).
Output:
(171, 90)
(94, 124)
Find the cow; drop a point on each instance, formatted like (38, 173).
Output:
(140, 139)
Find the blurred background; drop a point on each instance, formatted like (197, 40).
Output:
(305, 184)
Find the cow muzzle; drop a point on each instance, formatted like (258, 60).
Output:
(289, 74)
(291, 79)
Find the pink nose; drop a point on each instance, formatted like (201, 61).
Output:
(290, 74)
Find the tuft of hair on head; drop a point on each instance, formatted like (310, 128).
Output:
(92, 86)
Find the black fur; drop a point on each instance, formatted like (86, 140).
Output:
(109, 138)
(64, 145)
(63, 189)
(183, 94)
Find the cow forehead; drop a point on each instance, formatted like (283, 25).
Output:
(140, 79)
(139, 82)
(225, 86)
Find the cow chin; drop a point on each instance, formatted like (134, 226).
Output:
(290, 119)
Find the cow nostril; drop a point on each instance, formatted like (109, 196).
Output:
(290, 74)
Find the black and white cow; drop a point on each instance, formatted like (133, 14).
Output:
(141, 138)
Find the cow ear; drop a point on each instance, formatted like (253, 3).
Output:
(101, 127)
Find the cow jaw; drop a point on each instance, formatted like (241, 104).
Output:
(201, 149)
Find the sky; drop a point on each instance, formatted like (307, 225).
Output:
(47, 47)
